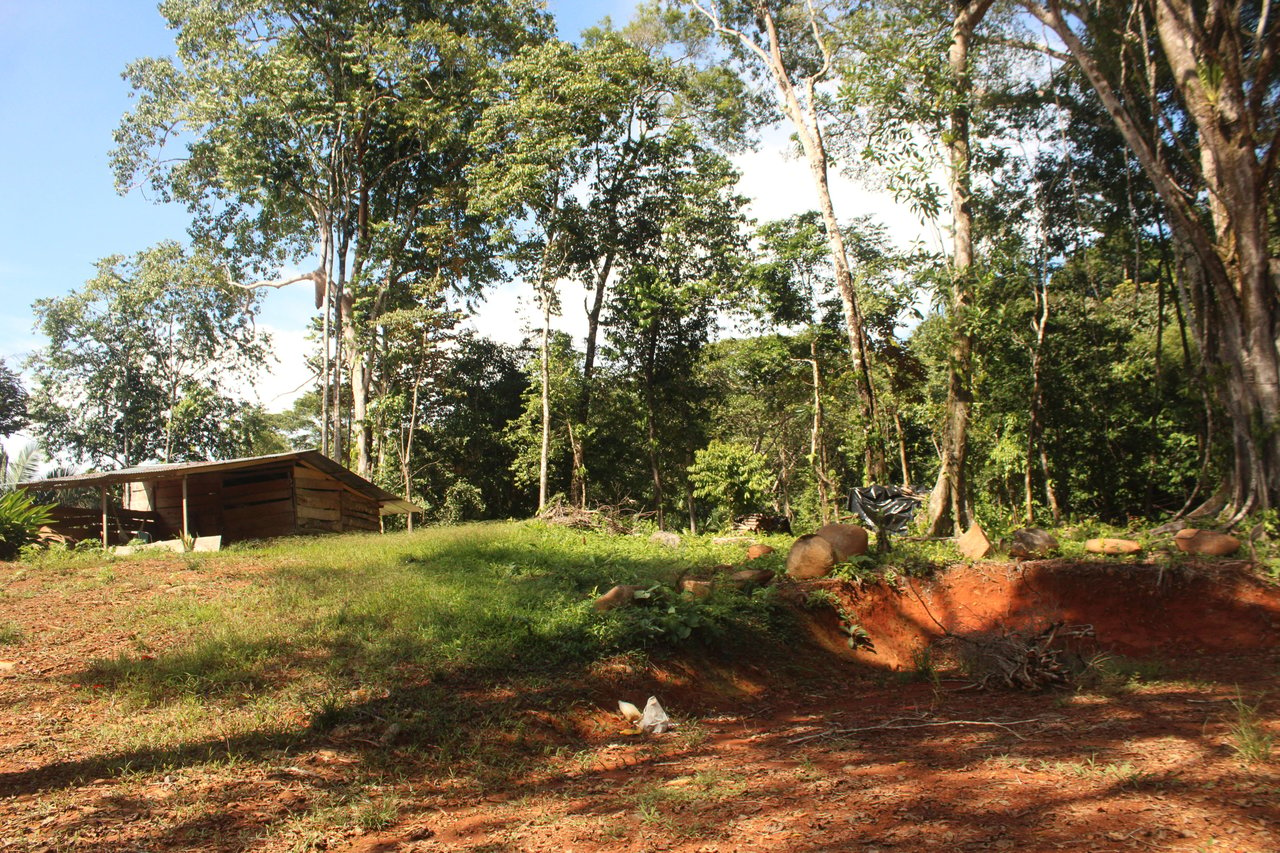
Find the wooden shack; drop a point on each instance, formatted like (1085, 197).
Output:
(253, 498)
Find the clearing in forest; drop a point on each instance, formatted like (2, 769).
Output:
(452, 689)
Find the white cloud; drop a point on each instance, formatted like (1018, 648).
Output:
(510, 314)
(287, 377)
(779, 184)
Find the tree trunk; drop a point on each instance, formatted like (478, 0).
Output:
(326, 368)
(579, 487)
(651, 425)
(1040, 323)
(1222, 82)
(361, 375)
(689, 499)
(809, 131)
(817, 440)
(949, 503)
(902, 449)
(545, 454)
(341, 319)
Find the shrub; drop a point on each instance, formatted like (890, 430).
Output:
(20, 522)
(732, 476)
(462, 502)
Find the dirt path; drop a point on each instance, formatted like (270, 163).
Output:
(869, 763)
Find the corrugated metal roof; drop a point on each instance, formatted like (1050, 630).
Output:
(388, 502)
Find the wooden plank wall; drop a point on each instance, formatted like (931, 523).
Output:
(257, 503)
(325, 505)
(78, 523)
(204, 499)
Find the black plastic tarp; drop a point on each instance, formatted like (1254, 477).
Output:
(890, 507)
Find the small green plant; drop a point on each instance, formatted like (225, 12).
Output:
(11, 634)
(1117, 673)
(925, 667)
(1251, 742)
(855, 635)
(1122, 773)
(20, 522)
(376, 814)
(732, 476)
(462, 501)
(817, 599)
(860, 568)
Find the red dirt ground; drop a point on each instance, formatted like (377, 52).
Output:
(862, 760)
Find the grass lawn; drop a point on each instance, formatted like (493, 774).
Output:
(414, 637)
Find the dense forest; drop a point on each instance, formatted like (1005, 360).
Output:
(1100, 337)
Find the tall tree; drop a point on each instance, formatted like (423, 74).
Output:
(908, 78)
(145, 361)
(1218, 60)
(668, 296)
(793, 45)
(576, 134)
(13, 401)
(335, 132)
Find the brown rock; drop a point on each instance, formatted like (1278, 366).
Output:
(1112, 546)
(666, 537)
(755, 552)
(1032, 543)
(849, 540)
(811, 557)
(1206, 542)
(748, 578)
(620, 596)
(696, 588)
(974, 544)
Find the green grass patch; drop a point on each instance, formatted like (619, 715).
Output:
(1123, 774)
(11, 634)
(391, 639)
(1112, 673)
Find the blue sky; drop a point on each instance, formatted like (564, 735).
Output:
(62, 95)
(61, 91)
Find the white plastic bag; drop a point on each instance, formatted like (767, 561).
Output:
(654, 720)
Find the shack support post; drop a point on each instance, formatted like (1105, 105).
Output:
(102, 495)
(186, 535)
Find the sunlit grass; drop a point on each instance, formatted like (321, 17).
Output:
(385, 638)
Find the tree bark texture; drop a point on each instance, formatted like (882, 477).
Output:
(545, 453)
(1223, 71)
(949, 502)
(809, 131)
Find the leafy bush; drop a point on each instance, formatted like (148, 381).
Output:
(731, 476)
(20, 521)
(662, 619)
(462, 502)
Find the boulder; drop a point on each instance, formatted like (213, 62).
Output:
(666, 537)
(811, 557)
(849, 540)
(696, 588)
(731, 540)
(974, 544)
(1112, 546)
(1205, 542)
(755, 552)
(748, 578)
(620, 596)
(1032, 543)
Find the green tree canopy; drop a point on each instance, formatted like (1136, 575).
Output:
(147, 361)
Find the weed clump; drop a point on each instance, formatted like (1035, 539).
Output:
(1251, 742)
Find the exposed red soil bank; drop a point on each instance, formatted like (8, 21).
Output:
(1134, 608)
